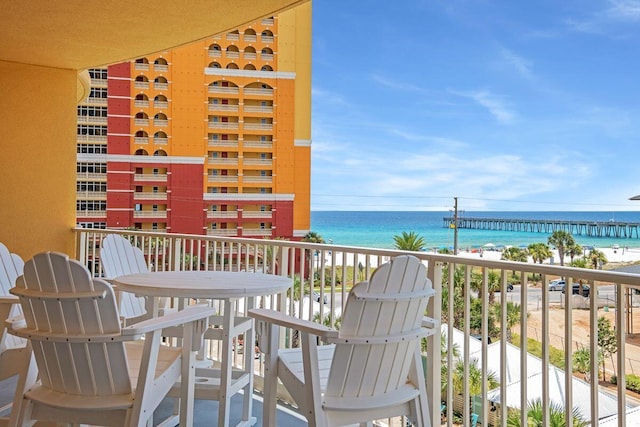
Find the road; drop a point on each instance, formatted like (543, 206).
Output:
(534, 295)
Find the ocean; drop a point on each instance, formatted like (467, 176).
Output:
(376, 229)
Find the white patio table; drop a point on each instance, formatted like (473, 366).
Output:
(226, 287)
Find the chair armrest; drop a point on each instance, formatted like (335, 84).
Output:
(189, 314)
(278, 318)
(9, 299)
(430, 322)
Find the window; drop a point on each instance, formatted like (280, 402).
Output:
(91, 205)
(98, 73)
(262, 226)
(95, 130)
(263, 208)
(138, 207)
(98, 92)
(87, 111)
(91, 148)
(154, 208)
(154, 226)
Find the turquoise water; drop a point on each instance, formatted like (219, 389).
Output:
(376, 229)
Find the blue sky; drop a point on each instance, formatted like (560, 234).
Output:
(507, 105)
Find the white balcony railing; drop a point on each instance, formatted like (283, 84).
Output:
(150, 214)
(257, 214)
(150, 177)
(222, 214)
(149, 196)
(223, 107)
(464, 286)
(224, 89)
(223, 142)
(257, 91)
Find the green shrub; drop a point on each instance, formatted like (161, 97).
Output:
(556, 356)
(633, 383)
(614, 379)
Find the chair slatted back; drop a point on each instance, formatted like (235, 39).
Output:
(361, 369)
(71, 320)
(11, 266)
(120, 257)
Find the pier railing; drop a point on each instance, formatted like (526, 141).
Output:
(487, 380)
(618, 229)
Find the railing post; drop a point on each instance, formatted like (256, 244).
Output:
(434, 310)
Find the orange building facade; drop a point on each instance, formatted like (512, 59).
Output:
(209, 138)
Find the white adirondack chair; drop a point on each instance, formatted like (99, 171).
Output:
(13, 352)
(120, 257)
(372, 369)
(90, 369)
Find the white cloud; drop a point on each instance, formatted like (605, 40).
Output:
(519, 63)
(628, 10)
(495, 104)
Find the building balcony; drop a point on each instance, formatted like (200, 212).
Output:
(257, 232)
(141, 85)
(161, 68)
(250, 56)
(142, 177)
(224, 232)
(250, 38)
(266, 39)
(160, 140)
(91, 214)
(257, 162)
(224, 89)
(223, 160)
(149, 196)
(160, 86)
(91, 195)
(232, 54)
(266, 56)
(140, 66)
(140, 140)
(257, 214)
(256, 179)
(160, 104)
(92, 120)
(92, 138)
(234, 108)
(95, 101)
(258, 144)
(258, 91)
(258, 126)
(232, 179)
(223, 125)
(150, 214)
(141, 122)
(138, 103)
(222, 214)
(472, 299)
(258, 109)
(228, 143)
(93, 176)
(161, 122)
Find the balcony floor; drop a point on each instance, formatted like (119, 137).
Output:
(206, 411)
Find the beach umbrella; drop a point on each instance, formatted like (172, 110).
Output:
(489, 245)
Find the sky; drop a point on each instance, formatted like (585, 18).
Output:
(506, 105)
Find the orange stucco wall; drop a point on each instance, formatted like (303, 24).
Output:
(38, 160)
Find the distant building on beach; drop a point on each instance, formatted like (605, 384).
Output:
(210, 138)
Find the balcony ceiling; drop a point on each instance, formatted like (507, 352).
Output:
(76, 34)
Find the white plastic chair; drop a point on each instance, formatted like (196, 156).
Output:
(90, 369)
(12, 349)
(372, 367)
(120, 257)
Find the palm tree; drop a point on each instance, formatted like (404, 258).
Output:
(475, 378)
(562, 240)
(411, 241)
(534, 416)
(311, 237)
(582, 361)
(597, 258)
(539, 252)
(514, 254)
(574, 251)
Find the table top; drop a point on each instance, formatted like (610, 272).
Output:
(203, 284)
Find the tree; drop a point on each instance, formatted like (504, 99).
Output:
(513, 316)
(475, 378)
(562, 240)
(574, 251)
(411, 241)
(607, 341)
(582, 361)
(556, 416)
(312, 237)
(597, 259)
(515, 254)
(539, 252)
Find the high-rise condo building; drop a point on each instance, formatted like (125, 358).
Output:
(209, 138)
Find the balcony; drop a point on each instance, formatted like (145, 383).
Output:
(223, 125)
(258, 109)
(258, 144)
(224, 107)
(223, 160)
(95, 101)
(141, 122)
(161, 68)
(92, 138)
(551, 321)
(258, 126)
(98, 120)
(231, 143)
(150, 214)
(232, 179)
(222, 214)
(149, 196)
(141, 177)
(257, 162)
(160, 104)
(141, 85)
(160, 86)
(258, 91)
(224, 89)
(257, 214)
(255, 179)
(160, 122)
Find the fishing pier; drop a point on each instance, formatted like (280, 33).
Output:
(578, 228)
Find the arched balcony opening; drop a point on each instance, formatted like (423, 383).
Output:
(141, 119)
(160, 98)
(266, 54)
(142, 134)
(160, 116)
(142, 61)
(249, 67)
(142, 97)
(233, 35)
(232, 66)
(215, 51)
(266, 36)
(160, 61)
(214, 65)
(141, 82)
(142, 115)
(233, 51)
(160, 134)
(160, 79)
(160, 83)
(141, 152)
(250, 31)
(160, 138)
(160, 64)
(249, 49)
(160, 153)
(141, 101)
(141, 137)
(142, 78)
(266, 68)
(250, 53)
(160, 119)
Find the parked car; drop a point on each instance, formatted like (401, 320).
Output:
(586, 290)
(316, 297)
(556, 285)
(509, 287)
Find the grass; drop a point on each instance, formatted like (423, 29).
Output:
(556, 356)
